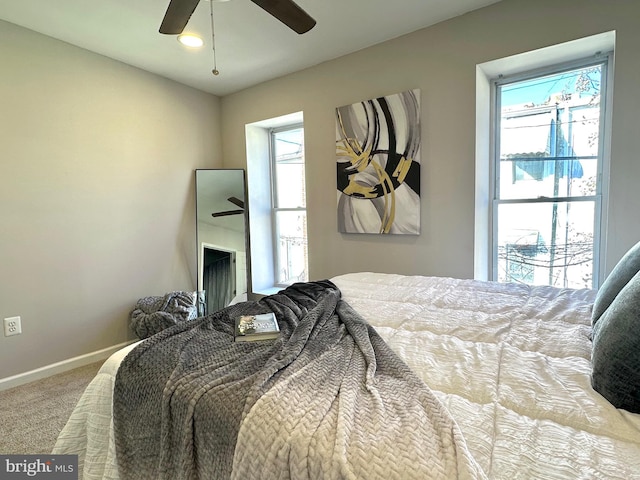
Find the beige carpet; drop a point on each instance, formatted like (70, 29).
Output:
(32, 415)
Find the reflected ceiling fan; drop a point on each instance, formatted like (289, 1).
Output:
(237, 202)
(179, 12)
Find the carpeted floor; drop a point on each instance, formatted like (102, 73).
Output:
(32, 415)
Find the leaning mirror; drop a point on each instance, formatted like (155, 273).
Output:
(221, 237)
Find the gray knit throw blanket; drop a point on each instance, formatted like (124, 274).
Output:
(153, 314)
(327, 400)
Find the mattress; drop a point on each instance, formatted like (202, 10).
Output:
(510, 362)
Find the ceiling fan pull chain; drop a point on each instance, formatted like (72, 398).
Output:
(213, 41)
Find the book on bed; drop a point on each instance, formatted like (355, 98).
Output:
(250, 328)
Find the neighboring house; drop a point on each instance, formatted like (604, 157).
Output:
(550, 149)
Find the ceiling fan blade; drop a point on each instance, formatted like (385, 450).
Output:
(227, 213)
(236, 201)
(288, 13)
(178, 14)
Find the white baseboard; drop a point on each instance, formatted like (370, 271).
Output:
(59, 367)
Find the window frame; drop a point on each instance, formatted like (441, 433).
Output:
(599, 199)
(275, 209)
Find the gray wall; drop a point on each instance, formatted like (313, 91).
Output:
(441, 61)
(97, 202)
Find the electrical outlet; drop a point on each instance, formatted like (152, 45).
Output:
(12, 326)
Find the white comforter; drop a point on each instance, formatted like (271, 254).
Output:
(510, 362)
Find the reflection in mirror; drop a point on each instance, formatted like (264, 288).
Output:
(221, 237)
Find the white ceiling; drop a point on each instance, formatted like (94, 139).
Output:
(213, 188)
(251, 45)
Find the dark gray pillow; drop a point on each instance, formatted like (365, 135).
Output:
(624, 271)
(153, 314)
(616, 349)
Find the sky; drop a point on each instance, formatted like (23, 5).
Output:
(539, 89)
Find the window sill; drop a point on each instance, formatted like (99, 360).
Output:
(268, 291)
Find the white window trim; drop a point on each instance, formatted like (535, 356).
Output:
(274, 208)
(262, 248)
(485, 131)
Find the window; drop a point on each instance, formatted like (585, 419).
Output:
(288, 203)
(277, 202)
(547, 174)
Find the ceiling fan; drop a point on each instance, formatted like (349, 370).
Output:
(237, 202)
(179, 12)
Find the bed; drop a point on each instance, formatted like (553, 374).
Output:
(504, 385)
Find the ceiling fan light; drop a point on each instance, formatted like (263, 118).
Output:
(190, 40)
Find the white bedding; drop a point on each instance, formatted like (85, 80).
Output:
(89, 431)
(510, 362)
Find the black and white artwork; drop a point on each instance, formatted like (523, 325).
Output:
(378, 165)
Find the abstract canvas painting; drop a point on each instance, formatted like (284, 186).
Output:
(378, 165)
